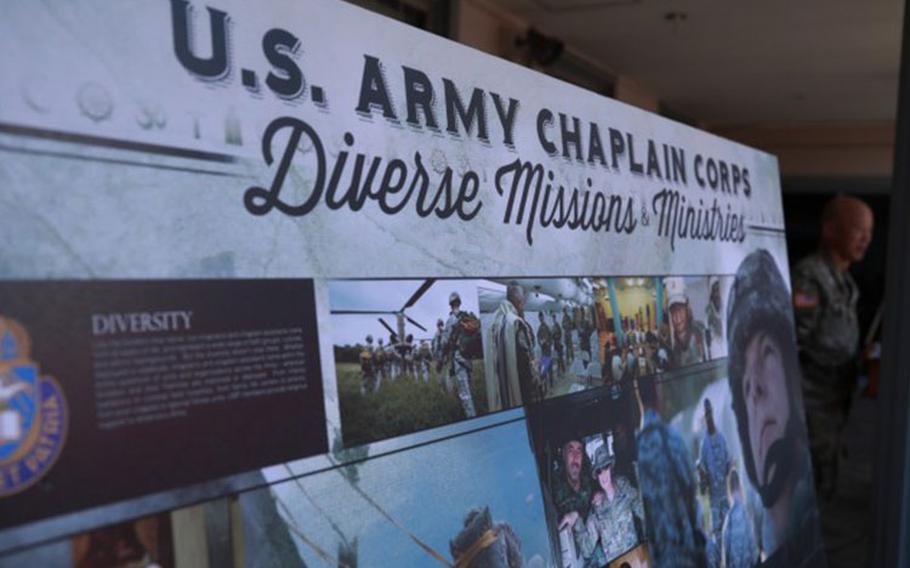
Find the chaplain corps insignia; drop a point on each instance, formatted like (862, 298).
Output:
(33, 413)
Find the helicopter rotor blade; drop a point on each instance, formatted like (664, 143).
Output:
(418, 293)
(387, 326)
(415, 323)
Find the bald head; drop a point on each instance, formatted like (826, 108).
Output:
(516, 295)
(847, 224)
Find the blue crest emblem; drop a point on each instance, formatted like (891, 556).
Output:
(33, 413)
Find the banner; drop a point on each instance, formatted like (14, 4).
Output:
(402, 302)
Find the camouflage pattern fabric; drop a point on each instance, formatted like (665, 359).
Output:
(827, 331)
(612, 524)
(715, 462)
(668, 495)
(740, 549)
(545, 339)
(460, 369)
(825, 298)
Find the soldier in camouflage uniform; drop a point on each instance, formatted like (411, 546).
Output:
(667, 488)
(764, 380)
(545, 340)
(714, 311)
(714, 464)
(408, 355)
(460, 368)
(367, 368)
(572, 492)
(687, 337)
(827, 330)
(380, 363)
(439, 353)
(424, 355)
(613, 525)
(739, 548)
(558, 345)
(568, 327)
(584, 333)
(393, 357)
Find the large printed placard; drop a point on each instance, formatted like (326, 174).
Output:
(423, 276)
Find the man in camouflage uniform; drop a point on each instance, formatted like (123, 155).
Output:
(584, 332)
(714, 311)
(568, 327)
(438, 354)
(827, 330)
(714, 464)
(408, 355)
(380, 362)
(687, 337)
(558, 345)
(739, 548)
(367, 368)
(545, 340)
(572, 493)
(667, 488)
(423, 357)
(460, 367)
(393, 357)
(616, 514)
(764, 381)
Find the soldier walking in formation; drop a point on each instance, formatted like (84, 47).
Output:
(424, 356)
(407, 355)
(545, 340)
(460, 367)
(568, 328)
(558, 345)
(438, 352)
(367, 367)
(380, 363)
(394, 360)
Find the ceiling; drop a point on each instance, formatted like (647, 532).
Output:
(740, 62)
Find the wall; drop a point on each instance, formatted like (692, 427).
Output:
(856, 150)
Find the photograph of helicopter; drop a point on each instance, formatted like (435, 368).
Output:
(408, 355)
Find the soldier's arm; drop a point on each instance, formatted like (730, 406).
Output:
(587, 536)
(806, 303)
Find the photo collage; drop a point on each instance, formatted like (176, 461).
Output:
(417, 354)
(645, 447)
(618, 421)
